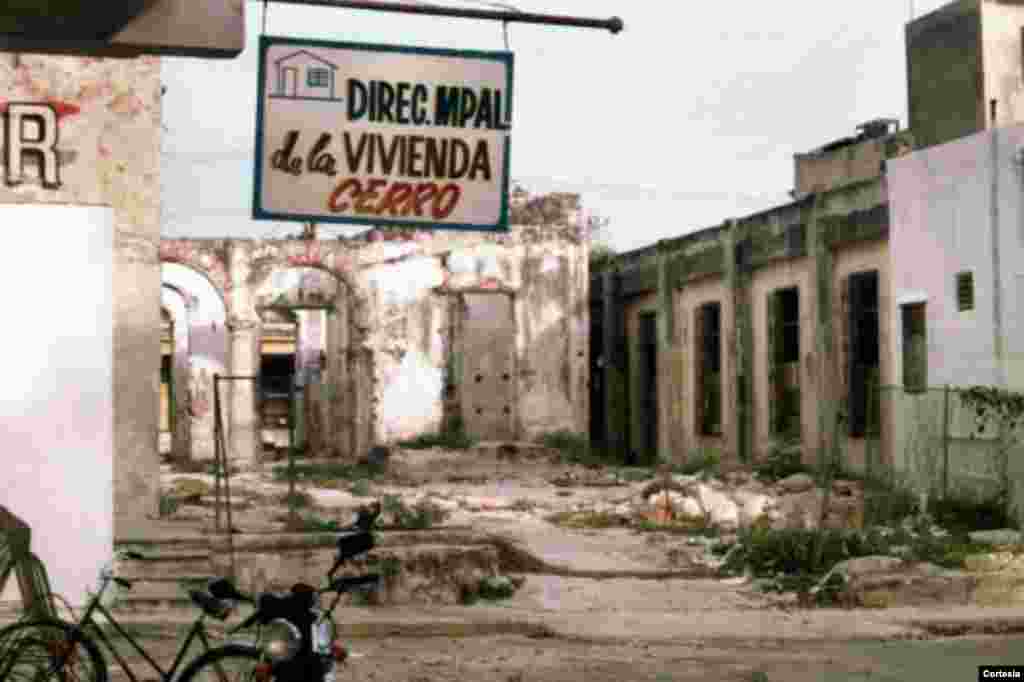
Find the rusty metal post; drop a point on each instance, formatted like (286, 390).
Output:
(223, 462)
(292, 512)
(945, 442)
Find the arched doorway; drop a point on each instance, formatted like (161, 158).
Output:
(198, 350)
(304, 344)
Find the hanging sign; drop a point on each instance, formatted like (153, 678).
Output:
(382, 135)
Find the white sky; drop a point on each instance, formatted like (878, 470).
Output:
(684, 119)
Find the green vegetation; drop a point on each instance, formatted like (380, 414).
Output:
(360, 488)
(490, 588)
(451, 437)
(169, 504)
(423, 514)
(297, 500)
(788, 560)
(328, 474)
(575, 448)
(586, 519)
(704, 461)
(783, 460)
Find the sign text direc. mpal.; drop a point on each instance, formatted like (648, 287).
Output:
(409, 104)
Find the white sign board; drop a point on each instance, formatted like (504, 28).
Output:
(56, 399)
(382, 135)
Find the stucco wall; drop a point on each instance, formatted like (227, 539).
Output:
(942, 201)
(1001, 57)
(394, 338)
(109, 148)
(946, 97)
(835, 168)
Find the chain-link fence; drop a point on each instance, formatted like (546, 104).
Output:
(925, 445)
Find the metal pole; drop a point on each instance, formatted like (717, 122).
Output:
(217, 426)
(614, 24)
(227, 472)
(945, 442)
(292, 514)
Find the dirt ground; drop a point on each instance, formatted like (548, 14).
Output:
(508, 658)
(615, 630)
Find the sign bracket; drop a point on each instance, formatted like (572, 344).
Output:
(614, 24)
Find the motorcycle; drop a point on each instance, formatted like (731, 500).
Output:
(297, 634)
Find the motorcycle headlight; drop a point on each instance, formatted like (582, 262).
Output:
(281, 640)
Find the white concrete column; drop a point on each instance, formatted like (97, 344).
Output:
(244, 444)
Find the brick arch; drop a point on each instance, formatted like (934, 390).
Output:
(326, 257)
(208, 262)
(267, 257)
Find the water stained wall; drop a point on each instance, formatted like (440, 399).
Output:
(411, 320)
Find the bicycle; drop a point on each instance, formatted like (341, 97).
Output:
(61, 647)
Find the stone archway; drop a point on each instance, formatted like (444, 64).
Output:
(201, 351)
(260, 283)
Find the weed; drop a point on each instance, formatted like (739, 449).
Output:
(783, 460)
(360, 488)
(704, 460)
(680, 526)
(390, 566)
(328, 474)
(298, 499)
(788, 559)
(886, 503)
(964, 512)
(316, 524)
(452, 436)
(169, 504)
(586, 519)
(633, 475)
(496, 587)
(423, 514)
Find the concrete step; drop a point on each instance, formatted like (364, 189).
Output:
(154, 596)
(168, 564)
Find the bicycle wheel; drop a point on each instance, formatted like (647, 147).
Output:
(49, 651)
(231, 663)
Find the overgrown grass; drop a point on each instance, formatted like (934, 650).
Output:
(575, 448)
(793, 561)
(782, 461)
(491, 588)
(963, 512)
(169, 504)
(705, 460)
(328, 474)
(360, 488)
(586, 519)
(317, 524)
(680, 526)
(451, 437)
(297, 499)
(423, 514)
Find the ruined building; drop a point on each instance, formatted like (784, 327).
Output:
(381, 337)
(829, 321)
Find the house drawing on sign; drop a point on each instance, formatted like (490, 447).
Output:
(303, 75)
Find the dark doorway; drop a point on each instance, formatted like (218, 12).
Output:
(862, 335)
(647, 364)
(709, 369)
(598, 362)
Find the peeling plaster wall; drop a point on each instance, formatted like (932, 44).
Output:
(391, 357)
(109, 152)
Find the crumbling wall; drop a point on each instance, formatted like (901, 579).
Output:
(108, 150)
(397, 359)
